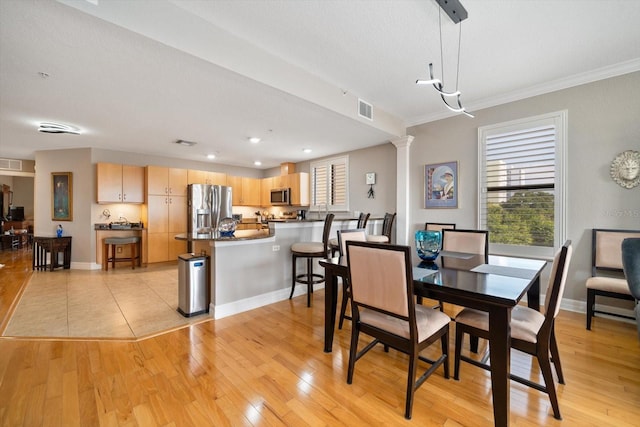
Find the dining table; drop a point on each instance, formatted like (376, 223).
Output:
(494, 284)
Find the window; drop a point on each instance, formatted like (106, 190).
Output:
(330, 184)
(521, 184)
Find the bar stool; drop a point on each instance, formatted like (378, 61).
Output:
(110, 243)
(362, 223)
(387, 225)
(310, 250)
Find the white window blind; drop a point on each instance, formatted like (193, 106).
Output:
(521, 186)
(330, 184)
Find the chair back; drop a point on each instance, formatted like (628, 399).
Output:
(381, 279)
(357, 234)
(469, 241)
(387, 224)
(631, 264)
(557, 281)
(362, 220)
(439, 226)
(606, 249)
(325, 232)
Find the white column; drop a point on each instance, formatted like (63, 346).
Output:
(402, 188)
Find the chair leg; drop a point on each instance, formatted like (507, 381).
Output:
(591, 302)
(345, 299)
(293, 275)
(444, 341)
(458, 349)
(353, 352)
(132, 253)
(309, 280)
(474, 341)
(545, 367)
(555, 357)
(411, 383)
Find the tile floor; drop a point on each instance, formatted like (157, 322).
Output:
(120, 303)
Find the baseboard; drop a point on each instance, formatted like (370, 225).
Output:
(240, 306)
(85, 266)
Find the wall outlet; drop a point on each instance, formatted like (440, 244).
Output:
(275, 248)
(118, 249)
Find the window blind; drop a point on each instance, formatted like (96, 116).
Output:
(330, 184)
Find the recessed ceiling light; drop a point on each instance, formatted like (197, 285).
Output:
(257, 163)
(211, 156)
(49, 127)
(306, 150)
(186, 143)
(254, 140)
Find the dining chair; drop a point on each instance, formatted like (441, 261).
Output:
(439, 226)
(363, 218)
(359, 235)
(631, 267)
(607, 276)
(531, 331)
(387, 226)
(309, 251)
(383, 307)
(467, 241)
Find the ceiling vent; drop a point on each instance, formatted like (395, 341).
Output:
(365, 109)
(11, 165)
(50, 127)
(185, 143)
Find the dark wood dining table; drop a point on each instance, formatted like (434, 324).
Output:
(465, 280)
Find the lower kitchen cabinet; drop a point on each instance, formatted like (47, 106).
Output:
(165, 217)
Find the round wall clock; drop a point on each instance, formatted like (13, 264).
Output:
(625, 169)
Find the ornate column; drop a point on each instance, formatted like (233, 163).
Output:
(402, 188)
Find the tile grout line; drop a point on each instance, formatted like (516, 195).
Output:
(107, 284)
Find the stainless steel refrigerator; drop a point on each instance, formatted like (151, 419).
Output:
(207, 205)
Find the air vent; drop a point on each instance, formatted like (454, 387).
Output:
(365, 109)
(185, 143)
(11, 165)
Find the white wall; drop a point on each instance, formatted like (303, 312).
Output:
(603, 120)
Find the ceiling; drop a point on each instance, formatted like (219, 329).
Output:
(137, 76)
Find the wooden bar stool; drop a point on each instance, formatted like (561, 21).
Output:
(110, 243)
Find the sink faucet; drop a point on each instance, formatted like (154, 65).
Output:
(126, 221)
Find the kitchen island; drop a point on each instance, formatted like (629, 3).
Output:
(253, 268)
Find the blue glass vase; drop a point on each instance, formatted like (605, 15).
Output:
(428, 244)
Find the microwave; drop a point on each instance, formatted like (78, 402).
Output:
(280, 196)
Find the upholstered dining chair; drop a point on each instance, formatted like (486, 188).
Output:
(387, 226)
(631, 266)
(607, 276)
(531, 331)
(358, 235)
(363, 218)
(468, 241)
(439, 226)
(309, 251)
(383, 307)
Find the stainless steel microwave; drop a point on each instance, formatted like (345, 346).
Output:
(280, 196)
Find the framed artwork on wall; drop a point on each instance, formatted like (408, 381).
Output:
(62, 196)
(441, 185)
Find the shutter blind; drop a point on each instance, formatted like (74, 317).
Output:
(518, 184)
(330, 184)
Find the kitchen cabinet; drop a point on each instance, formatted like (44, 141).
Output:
(166, 181)
(246, 191)
(206, 177)
(298, 183)
(118, 183)
(165, 213)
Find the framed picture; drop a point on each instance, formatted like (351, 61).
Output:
(441, 185)
(62, 196)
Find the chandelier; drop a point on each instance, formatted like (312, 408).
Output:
(451, 100)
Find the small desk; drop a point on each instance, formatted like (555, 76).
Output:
(495, 292)
(53, 246)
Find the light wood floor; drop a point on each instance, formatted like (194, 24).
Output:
(266, 367)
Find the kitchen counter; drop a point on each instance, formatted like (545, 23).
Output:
(238, 235)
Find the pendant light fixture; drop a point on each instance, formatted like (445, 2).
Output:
(457, 13)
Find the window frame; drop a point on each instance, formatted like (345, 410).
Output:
(328, 163)
(559, 120)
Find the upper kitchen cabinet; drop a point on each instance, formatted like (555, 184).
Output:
(245, 191)
(118, 183)
(206, 177)
(163, 181)
(299, 185)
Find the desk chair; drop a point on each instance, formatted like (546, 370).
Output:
(607, 276)
(309, 251)
(387, 226)
(383, 307)
(631, 266)
(358, 235)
